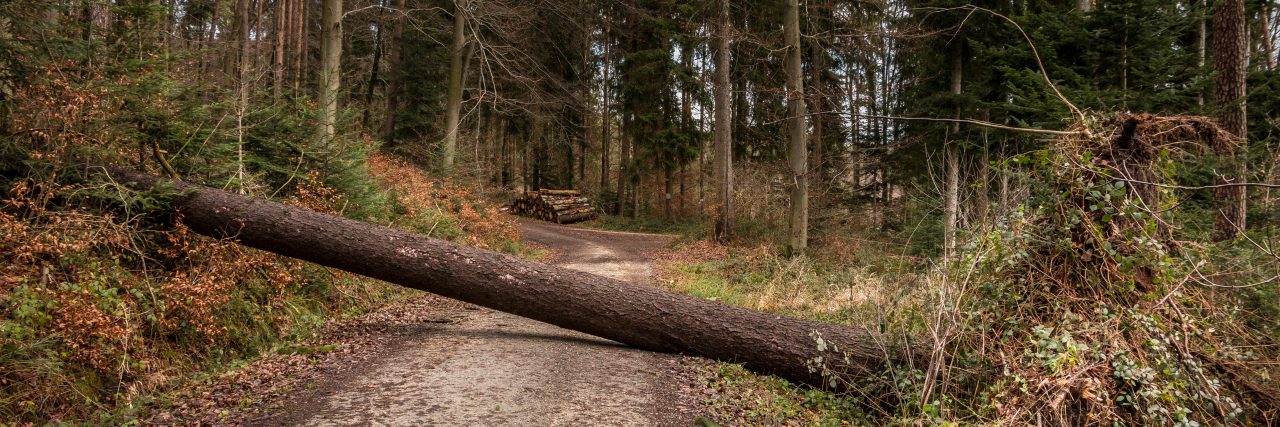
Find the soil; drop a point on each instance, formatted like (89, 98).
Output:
(471, 366)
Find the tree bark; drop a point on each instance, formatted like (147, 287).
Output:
(723, 166)
(280, 30)
(624, 158)
(1202, 37)
(1229, 58)
(1267, 49)
(235, 51)
(798, 237)
(454, 103)
(393, 75)
(644, 317)
(6, 80)
(330, 67)
(952, 152)
(373, 69)
(605, 118)
(1084, 6)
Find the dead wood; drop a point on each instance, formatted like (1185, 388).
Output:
(640, 316)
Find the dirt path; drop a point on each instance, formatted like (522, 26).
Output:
(492, 368)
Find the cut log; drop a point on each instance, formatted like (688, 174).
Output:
(640, 316)
(561, 192)
(575, 217)
(559, 206)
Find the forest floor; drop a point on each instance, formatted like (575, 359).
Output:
(434, 361)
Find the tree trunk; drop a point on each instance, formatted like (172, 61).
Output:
(6, 80)
(1229, 47)
(604, 108)
(641, 316)
(373, 69)
(1266, 35)
(393, 76)
(300, 50)
(982, 206)
(235, 51)
(669, 187)
(723, 167)
(624, 158)
(952, 208)
(278, 70)
(330, 67)
(1202, 36)
(1084, 5)
(798, 237)
(454, 103)
(817, 69)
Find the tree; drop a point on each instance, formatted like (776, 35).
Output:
(723, 167)
(455, 84)
(393, 74)
(1230, 56)
(952, 152)
(330, 67)
(798, 237)
(604, 307)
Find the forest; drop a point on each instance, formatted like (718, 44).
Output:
(1071, 207)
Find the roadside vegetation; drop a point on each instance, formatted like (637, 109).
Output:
(967, 180)
(1079, 306)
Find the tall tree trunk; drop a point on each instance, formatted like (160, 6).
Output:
(304, 36)
(585, 113)
(330, 67)
(641, 316)
(605, 119)
(213, 37)
(454, 103)
(952, 209)
(982, 207)
(668, 179)
(798, 235)
(393, 75)
(278, 70)
(1202, 37)
(624, 154)
(6, 80)
(1229, 59)
(723, 162)
(373, 69)
(257, 29)
(1267, 48)
(817, 69)
(235, 52)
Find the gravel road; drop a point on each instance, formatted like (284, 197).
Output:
(491, 368)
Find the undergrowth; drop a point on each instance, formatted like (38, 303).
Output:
(1091, 304)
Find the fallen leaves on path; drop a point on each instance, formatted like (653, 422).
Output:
(233, 397)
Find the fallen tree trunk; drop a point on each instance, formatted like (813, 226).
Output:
(640, 316)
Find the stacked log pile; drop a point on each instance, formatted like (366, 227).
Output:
(558, 206)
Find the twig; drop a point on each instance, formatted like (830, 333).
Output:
(1179, 187)
(971, 122)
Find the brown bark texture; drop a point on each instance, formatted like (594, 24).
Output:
(798, 154)
(723, 168)
(393, 78)
(1229, 59)
(640, 316)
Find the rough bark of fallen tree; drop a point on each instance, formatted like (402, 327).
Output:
(636, 315)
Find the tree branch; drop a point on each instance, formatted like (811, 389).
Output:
(972, 122)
